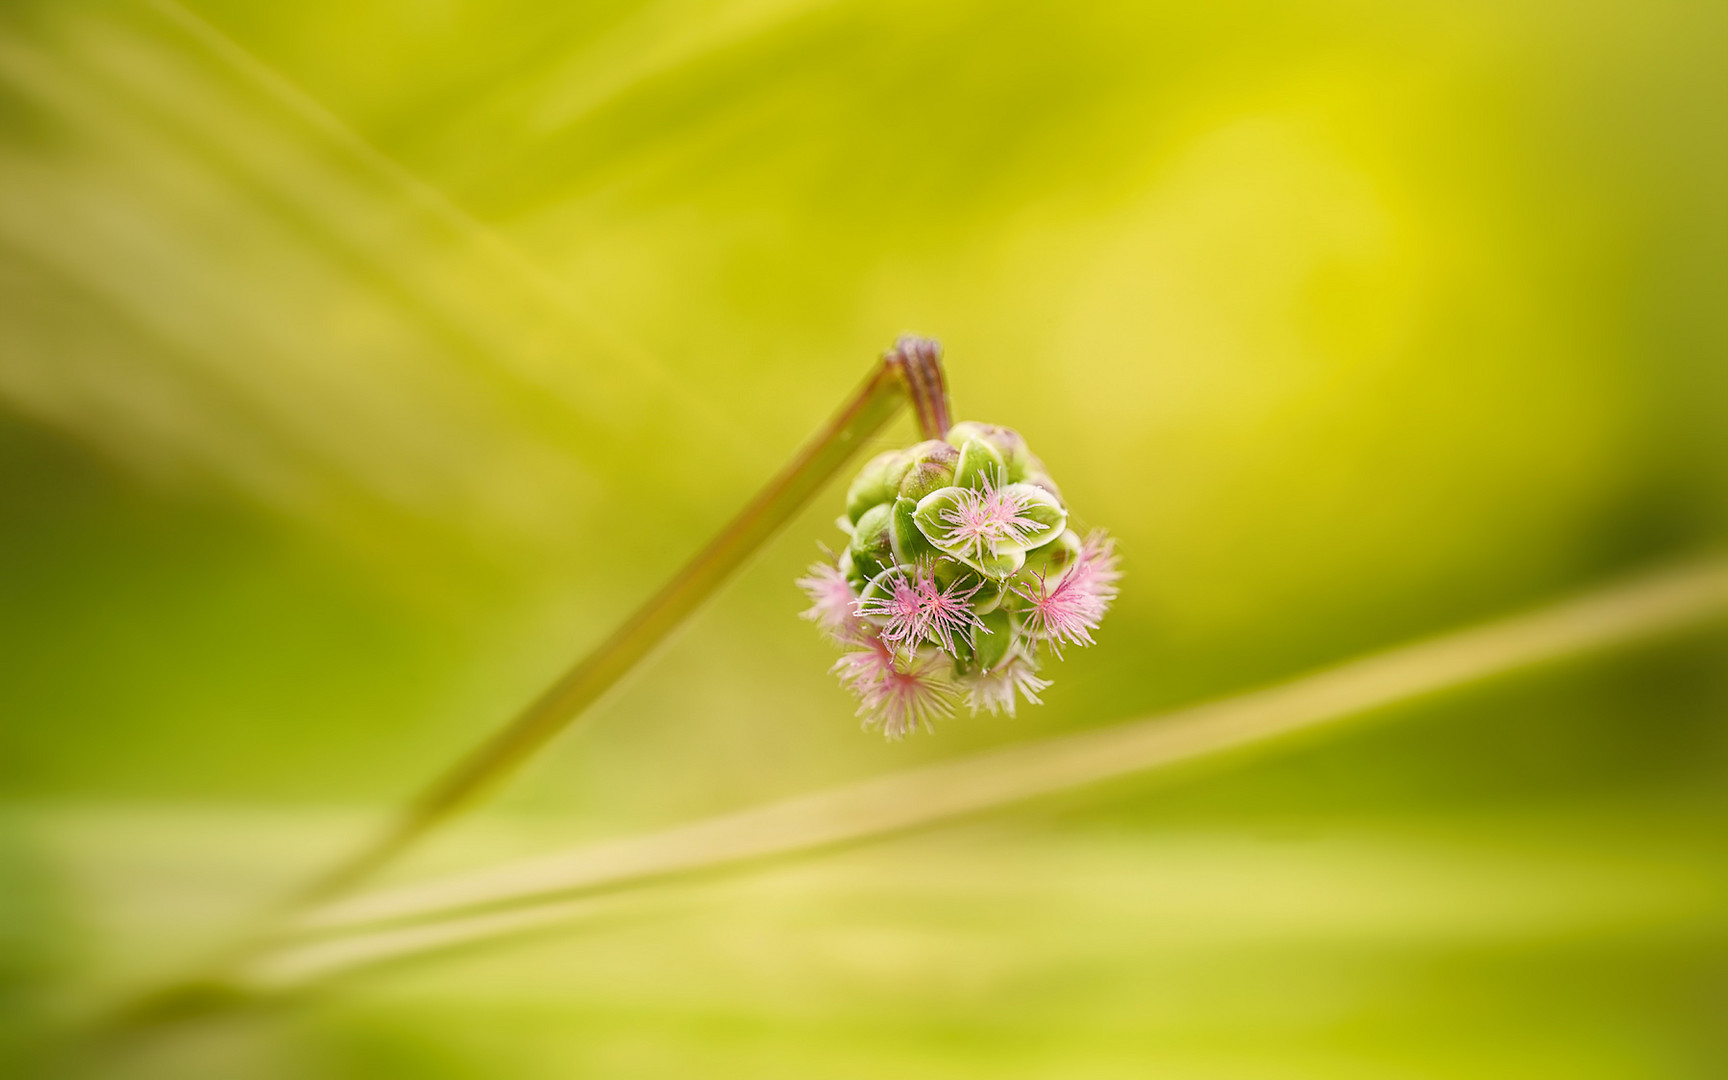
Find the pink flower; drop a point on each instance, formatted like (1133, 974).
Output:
(1073, 608)
(833, 604)
(861, 672)
(1098, 569)
(946, 611)
(982, 520)
(913, 609)
(896, 693)
(995, 689)
(904, 699)
(899, 605)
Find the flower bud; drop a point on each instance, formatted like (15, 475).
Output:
(909, 544)
(1018, 458)
(929, 465)
(876, 483)
(980, 465)
(849, 570)
(872, 544)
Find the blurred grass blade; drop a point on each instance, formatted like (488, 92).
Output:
(437, 205)
(487, 904)
(210, 278)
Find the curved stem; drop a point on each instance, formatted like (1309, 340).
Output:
(921, 361)
(912, 370)
(560, 704)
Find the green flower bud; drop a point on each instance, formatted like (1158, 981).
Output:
(980, 464)
(1039, 479)
(872, 546)
(1021, 462)
(875, 484)
(907, 540)
(849, 570)
(929, 465)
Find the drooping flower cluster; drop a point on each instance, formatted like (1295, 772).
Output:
(960, 566)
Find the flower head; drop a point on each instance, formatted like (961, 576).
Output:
(959, 563)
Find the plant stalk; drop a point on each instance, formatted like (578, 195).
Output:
(911, 371)
(913, 368)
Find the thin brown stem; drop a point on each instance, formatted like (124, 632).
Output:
(921, 360)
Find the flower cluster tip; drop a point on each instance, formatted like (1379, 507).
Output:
(961, 572)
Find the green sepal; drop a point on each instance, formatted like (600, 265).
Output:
(980, 464)
(991, 647)
(965, 658)
(998, 566)
(1044, 508)
(928, 515)
(906, 538)
(854, 576)
(1054, 558)
(872, 545)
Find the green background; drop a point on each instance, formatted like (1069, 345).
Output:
(360, 365)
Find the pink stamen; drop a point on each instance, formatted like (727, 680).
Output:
(995, 690)
(861, 672)
(912, 609)
(901, 609)
(833, 603)
(1068, 612)
(947, 612)
(982, 520)
(905, 698)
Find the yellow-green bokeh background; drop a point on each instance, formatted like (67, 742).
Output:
(362, 364)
